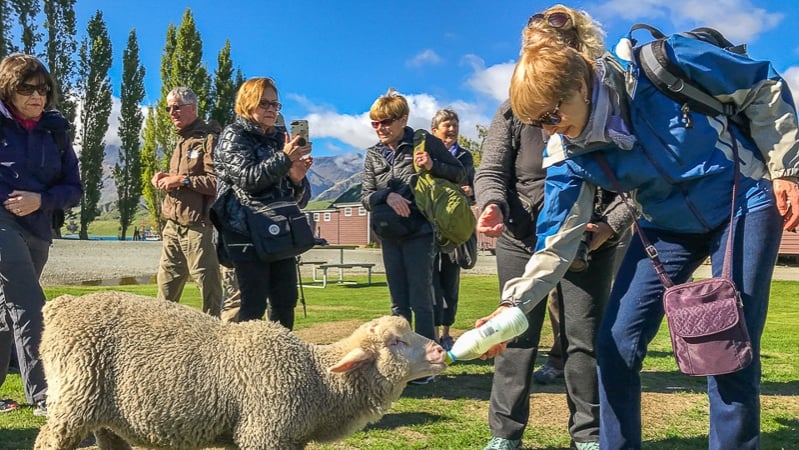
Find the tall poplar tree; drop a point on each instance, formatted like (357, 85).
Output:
(27, 10)
(224, 90)
(127, 171)
(94, 86)
(60, 46)
(149, 166)
(187, 68)
(6, 38)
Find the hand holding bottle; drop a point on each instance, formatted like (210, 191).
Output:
(490, 336)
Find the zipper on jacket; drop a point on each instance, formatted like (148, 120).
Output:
(657, 136)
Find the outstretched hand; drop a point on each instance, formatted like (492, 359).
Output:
(491, 223)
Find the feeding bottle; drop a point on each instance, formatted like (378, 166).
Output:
(505, 326)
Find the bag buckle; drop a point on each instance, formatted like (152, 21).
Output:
(651, 251)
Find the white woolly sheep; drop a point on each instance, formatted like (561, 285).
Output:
(135, 370)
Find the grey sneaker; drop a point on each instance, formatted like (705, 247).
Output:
(586, 445)
(547, 374)
(498, 443)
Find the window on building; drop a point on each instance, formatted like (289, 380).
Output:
(327, 217)
(348, 211)
(361, 211)
(316, 217)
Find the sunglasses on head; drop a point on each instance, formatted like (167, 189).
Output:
(554, 20)
(548, 118)
(385, 122)
(266, 104)
(28, 89)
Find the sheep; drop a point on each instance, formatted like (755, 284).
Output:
(136, 370)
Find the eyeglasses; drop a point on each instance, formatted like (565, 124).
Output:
(28, 89)
(177, 107)
(554, 20)
(548, 118)
(266, 104)
(382, 123)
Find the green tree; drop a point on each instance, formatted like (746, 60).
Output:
(474, 146)
(94, 86)
(6, 37)
(61, 45)
(187, 68)
(127, 172)
(149, 166)
(224, 91)
(27, 10)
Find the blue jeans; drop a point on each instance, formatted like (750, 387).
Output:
(635, 311)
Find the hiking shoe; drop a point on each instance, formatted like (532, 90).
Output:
(586, 445)
(423, 381)
(447, 342)
(41, 409)
(547, 374)
(498, 443)
(8, 405)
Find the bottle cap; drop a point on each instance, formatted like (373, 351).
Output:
(449, 358)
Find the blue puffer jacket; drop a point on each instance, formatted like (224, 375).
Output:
(31, 161)
(680, 176)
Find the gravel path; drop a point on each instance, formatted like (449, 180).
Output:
(108, 262)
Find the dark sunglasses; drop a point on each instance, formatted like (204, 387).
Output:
(266, 104)
(548, 118)
(28, 89)
(385, 122)
(554, 20)
(176, 108)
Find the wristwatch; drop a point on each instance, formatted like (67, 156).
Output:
(186, 181)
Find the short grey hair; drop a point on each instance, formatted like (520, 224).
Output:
(442, 116)
(184, 95)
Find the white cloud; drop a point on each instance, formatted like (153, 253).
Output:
(424, 58)
(740, 20)
(493, 81)
(791, 75)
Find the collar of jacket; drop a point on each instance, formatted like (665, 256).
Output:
(51, 119)
(276, 132)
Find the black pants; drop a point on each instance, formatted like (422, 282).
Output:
(275, 282)
(585, 295)
(446, 279)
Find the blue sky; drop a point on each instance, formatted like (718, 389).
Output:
(331, 60)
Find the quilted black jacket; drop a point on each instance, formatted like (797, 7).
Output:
(251, 167)
(381, 178)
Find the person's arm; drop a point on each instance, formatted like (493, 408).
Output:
(568, 206)
(67, 191)
(444, 164)
(206, 183)
(493, 177)
(370, 194)
(243, 169)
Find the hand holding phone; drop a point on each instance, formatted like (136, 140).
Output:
(300, 128)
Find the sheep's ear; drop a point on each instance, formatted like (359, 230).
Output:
(351, 360)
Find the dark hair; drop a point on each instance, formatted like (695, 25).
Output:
(16, 69)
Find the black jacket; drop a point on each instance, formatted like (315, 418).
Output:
(380, 178)
(251, 167)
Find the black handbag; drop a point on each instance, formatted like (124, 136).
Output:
(465, 255)
(278, 230)
(387, 224)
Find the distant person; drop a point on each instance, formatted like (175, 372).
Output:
(190, 188)
(136, 236)
(446, 271)
(257, 161)
(38, 173)
(388, 168)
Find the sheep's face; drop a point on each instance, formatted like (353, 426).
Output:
(399, 354)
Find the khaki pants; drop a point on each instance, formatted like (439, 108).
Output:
(232, 303)
(189, 251)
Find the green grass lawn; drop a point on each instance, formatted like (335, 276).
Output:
(451, 413)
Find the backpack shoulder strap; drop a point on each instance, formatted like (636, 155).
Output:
(61, 139)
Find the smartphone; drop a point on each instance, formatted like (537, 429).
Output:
(300, 128)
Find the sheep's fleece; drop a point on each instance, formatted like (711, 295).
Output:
(136, 370)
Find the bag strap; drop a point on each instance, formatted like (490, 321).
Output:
(650, 249)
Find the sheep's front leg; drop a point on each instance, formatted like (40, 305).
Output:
(108, 440)
(57, 435)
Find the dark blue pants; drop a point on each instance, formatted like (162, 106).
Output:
(635, 311)
(275, 282)
(409, 272)
(447, 280)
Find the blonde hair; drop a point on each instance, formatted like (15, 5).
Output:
(391, 105)
(545, 75)
(249, 95)
(581, 32)
(16, 69)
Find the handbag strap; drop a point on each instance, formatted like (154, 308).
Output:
(650, 249)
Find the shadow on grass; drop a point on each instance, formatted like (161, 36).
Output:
(17, 438)
(396, 420)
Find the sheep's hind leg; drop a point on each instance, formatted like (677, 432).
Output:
(108, 440)
(58, 436)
